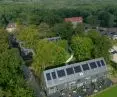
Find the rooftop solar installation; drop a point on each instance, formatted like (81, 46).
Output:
(93, 65)
(98, 63)
(102, 62)
(77, 69)
(69, 71)
(61, 73)
(53, 75)
(85, 67)
(73, 72)
(48, 76)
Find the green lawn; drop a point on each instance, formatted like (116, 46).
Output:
(111, 92)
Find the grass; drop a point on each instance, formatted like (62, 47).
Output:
(110, 92)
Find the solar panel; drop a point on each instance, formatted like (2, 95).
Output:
(53, 75)
(69, 71)
(93, 65)
(61, 73)
(77, 69)
(85, 67)
(98, 63)
(48, 76)
(102, 62)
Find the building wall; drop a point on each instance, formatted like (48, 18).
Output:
(75, 84)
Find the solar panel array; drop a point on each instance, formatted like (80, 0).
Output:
(83, 67)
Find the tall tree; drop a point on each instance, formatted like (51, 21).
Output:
(80, 29)
(106, 19)
(102, 44)
(12, 83)
(45, 31)
(48, 54)
(82, 47)
(65, 30)
(93, 20)
(28, 35)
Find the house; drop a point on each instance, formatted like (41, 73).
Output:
(74, 20)
(11, 27)
(73, 75)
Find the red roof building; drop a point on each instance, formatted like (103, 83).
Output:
(74, 19)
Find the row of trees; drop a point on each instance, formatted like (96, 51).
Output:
(12, 83)
(91, 46)
(28, 14)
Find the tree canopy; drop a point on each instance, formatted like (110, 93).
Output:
(12, 83)
(102, 44)
(48, 54)
(82, 47)
(65, 30)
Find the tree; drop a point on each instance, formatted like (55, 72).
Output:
(80, 28)
(11, 79)
(3, 40)
(65, 30)
(93, 20)
(102, 44)
(28, 35)
(45, 31)
(82, 47)
(48, 54)
(12, 83)
(106, 19)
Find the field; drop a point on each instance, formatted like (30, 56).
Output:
(111, 92)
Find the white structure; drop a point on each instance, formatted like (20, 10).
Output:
(11, 27)
(113, 52)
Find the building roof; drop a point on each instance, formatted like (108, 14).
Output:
(53, 38)
(11, 25)
(68, 73)
(74, 19)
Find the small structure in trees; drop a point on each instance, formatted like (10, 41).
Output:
(11, 27)
(74, 20)
(53, 38)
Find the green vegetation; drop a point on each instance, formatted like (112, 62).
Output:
(48, 54)
(82, 47)
(35, 23)
(102, 44)
(12, 83)
(111, 92)
(65, 30)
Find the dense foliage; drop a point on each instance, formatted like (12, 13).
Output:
(27, 13)
(65, 30)
(12, 83)
(35, 24)
(82, 47)
(48, 54)
(102, 44)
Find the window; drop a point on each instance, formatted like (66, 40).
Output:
(53, 75)
(77, 69)
(85, 67)
(98, 63)
(69, 71)
(93, 65)
(48, 76)
(61, 73)
(102, 62)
